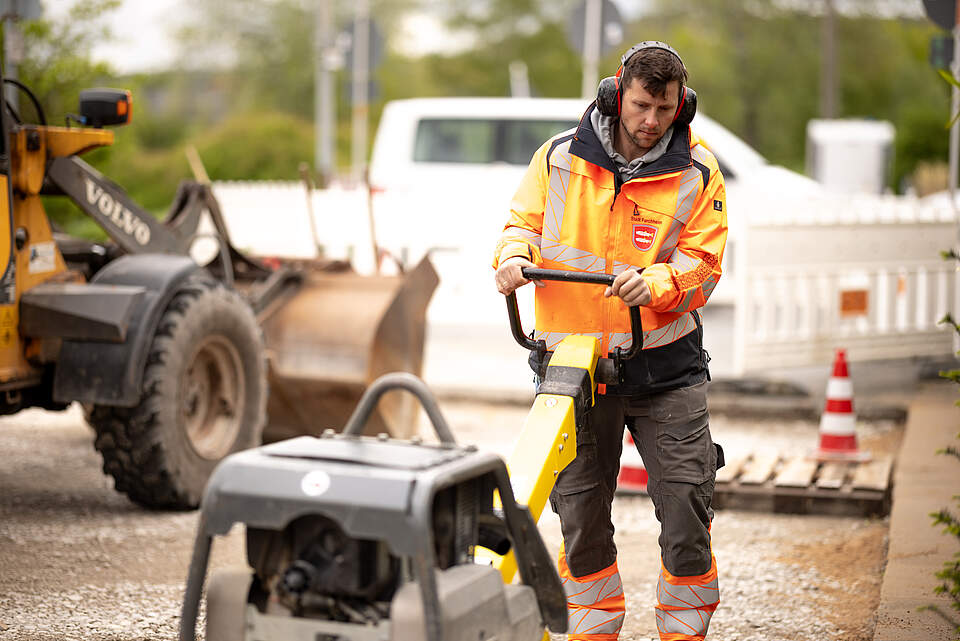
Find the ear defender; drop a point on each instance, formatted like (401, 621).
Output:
(608, 91)
(688, 107)
(608, 97)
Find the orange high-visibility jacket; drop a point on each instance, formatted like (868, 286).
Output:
(572, 211)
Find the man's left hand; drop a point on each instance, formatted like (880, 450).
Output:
(630, 287)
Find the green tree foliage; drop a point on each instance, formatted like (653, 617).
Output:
(257, 146)
(55, 68)
(756, 68)
(266, 49)
(243, 93)
(171, 110)
(755, 65)
(57, 63)
(530, 31)
(485, 72)
(746, 72)
(950, 574)
(884, 74)
(265, 55)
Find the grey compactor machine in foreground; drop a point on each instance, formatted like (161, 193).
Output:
(359, 538)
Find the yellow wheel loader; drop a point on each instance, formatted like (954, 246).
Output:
(179, 364)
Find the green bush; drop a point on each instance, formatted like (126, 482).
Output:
(252, 146)
(257, 146)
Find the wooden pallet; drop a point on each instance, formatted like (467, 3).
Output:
(799, 485)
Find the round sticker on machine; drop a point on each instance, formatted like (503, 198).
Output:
(315, 483)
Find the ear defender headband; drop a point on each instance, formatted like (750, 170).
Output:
(609, 97)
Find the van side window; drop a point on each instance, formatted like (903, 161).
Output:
(462, 140)
(522, 138)
(455, 140)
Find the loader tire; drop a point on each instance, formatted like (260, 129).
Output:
(204, 396)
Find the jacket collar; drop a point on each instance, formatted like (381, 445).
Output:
(586, 145)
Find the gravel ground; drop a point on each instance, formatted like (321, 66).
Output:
(783, 577)
(79, 561)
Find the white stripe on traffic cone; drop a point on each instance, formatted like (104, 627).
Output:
(633, 475)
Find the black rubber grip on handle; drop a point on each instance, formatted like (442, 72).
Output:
(537, 273)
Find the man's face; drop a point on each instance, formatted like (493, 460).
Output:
(644, 118)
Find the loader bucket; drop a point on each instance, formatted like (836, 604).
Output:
(337, 334)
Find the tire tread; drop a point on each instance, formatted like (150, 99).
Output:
(130, 439)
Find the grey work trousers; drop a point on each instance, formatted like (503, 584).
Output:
(671, 431)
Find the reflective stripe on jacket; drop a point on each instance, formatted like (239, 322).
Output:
(572, 212)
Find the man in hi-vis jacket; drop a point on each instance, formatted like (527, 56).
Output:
(631, 191)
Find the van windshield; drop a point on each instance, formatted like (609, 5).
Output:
(477, 140)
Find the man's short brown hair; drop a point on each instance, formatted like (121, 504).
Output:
(655, 68)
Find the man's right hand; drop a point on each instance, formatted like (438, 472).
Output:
(509, 276)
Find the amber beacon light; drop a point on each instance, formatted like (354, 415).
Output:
(105, 107)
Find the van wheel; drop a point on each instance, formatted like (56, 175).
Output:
(204, 396)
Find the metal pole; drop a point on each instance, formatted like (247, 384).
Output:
(954, 152)
(13, 54)
(519, 82)
(323, 99)
(828, 62)
(361, 74)
(955, 129)
(8, 263)
(591, 47)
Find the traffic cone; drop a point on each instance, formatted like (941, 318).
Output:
(633, 475)
(838, 436)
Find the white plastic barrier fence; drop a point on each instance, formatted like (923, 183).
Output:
(877, 289)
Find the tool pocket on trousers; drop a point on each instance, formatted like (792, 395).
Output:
(684, 446)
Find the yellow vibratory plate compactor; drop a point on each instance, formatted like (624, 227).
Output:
(360, 538)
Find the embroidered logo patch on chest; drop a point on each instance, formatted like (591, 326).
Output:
(643, 236)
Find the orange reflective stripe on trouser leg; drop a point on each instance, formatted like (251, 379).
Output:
(595, 603)
(686, 603)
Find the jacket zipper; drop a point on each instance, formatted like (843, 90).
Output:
(617, 186)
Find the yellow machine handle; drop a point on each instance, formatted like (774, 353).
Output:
(548, 440)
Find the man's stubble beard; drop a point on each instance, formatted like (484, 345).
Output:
(634, 140)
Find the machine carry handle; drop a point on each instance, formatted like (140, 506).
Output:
(398, 380)
(537, 273)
